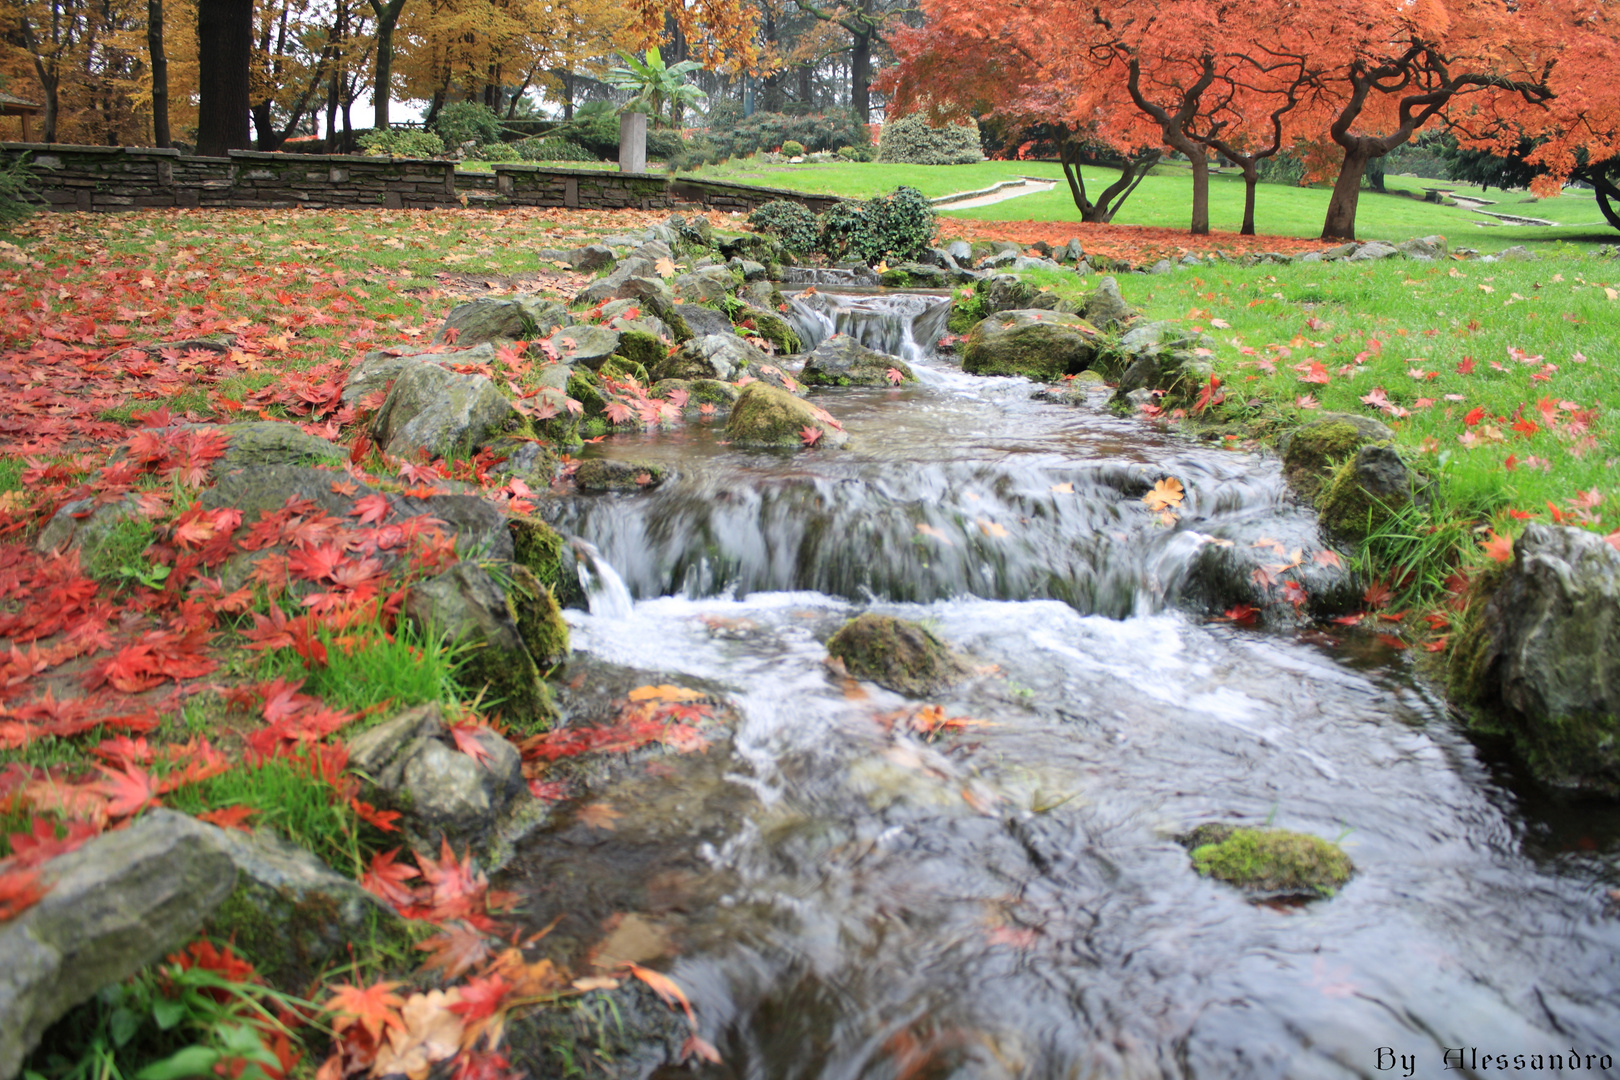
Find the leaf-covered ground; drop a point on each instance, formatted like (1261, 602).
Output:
(140, 677)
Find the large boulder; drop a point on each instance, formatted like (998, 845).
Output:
(1540, 658)
(267, 442)
(726, 357)
(1365, 492)
(586, 344)
(1312, 452)
(437, 410)
(498, 318)
(1043, 345)
(607, 474)
(609, 288)
(709, 285)
(466, 606)
(842, 361)
(703, 320)
(1161, 356)
(1106, 309)
(441, 791)
(904, 656)
(771, 327)
(120, 902)
(766, 415)
(1005, 292)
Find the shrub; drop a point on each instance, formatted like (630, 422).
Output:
(763, 131)
(855, 153)
(401, 142)
(793, 149)
(913, 141)
(467, 121)
(596, 127)
(900, 226)
(664, 143)
(1282, 168)
(790, 222)
(499, 151)
(16, 183)
(552, 148)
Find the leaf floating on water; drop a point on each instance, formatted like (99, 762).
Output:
(991, 528)
(598, 815)
(1063, 489)
(938, 534)
(666, 988)
(665, 693)
(1166, 495)
(699, 1048)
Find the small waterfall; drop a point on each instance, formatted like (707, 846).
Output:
(903, 324)
(605, 590)
(819, 275)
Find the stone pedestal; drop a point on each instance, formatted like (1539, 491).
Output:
(633, 142)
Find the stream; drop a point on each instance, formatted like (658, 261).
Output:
(840, 898)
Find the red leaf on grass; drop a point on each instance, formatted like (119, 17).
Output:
(128, 791)
(19, 891)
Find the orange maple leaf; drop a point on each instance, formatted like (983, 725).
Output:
(374, 1008)
(1498, 547)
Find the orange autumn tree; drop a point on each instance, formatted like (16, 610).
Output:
(1138, 75)
(1387, 67)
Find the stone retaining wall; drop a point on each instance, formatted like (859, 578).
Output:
(112, 178)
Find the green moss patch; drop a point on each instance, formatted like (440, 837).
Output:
(904, 656)
(1269, 862)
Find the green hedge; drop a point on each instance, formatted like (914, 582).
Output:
(467, 121)
(553, 149)
(768, 131)
(401, 142)
(912, 141)
(790, 222)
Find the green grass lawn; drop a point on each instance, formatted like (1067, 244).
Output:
(1533, 346)
(1281, 210)
(866, 179)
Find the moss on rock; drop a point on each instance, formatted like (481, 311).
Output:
(1312, 452)
(538, 547)
(1041, 345)
(641, 348)
(904, 656)
(766, 415)
(773, 328)
(621, 368)
(1364, 492)
(539, 619)
(1269, 862)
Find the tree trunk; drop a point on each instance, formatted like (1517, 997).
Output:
(160, 73)
(807, 86)
(1251, 179)
(265, 125)
(51, 105)
(387, 18)
(1341, 211)
(1200, 173)
(224, 64)
(1606, 193)
(860, 77)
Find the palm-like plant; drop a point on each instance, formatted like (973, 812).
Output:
(657, 87)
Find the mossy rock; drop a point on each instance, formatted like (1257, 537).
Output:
(904, 656)
(539, 548)
(583, 388)
(1042, 345)
(773, 328)
(1269, 862)
(722, 395)
(767, 415)
(640, 348)
(620, 368)
(1365, 492)
(539, 619)
(605, 474)
(1313, 451)
(964, 316)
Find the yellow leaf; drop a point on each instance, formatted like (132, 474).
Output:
(595, 982)
(665, 267)
(990, 528)
(937, 534)
(1611, 294)
(1167, 493)
(1063, 489)
(665, 693)
(431, 1033)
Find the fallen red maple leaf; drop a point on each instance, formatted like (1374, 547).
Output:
(128, 791)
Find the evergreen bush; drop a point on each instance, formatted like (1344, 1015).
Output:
(552, 148)
(467, 121)
(790, 222)
(911, 140)
(401, 142)
(900, 226)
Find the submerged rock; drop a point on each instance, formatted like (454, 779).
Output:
(766, 415)
(901, 655)
(1268, 862)
(1044, 345)
(842, 361)
(604, 474)
(1538, 658)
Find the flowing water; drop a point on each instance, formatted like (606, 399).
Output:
(843, 899)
